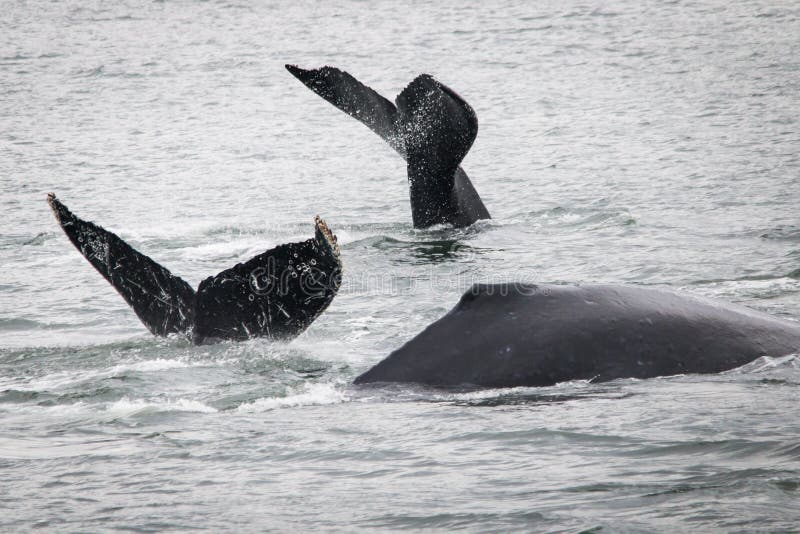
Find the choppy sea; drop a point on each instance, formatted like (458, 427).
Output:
(650, 143)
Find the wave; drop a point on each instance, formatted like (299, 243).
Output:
(126, 407)
(315, 394)
(766, 364)
(65, 379)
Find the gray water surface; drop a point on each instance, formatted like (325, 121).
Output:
(651, 143)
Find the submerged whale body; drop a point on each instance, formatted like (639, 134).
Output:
(276, 294)
(429, 125)
(540, 335)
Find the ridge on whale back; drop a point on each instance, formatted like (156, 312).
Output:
(509, 335)
(276, 294)
(429, 125)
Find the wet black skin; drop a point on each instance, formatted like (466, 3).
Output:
(430, 126)
(276, 294)
(540, 335)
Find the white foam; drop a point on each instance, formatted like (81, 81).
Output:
(242, 248)
(480, 395)
(63, 379)
(57, 410)
(767, 363)
(126, 407)
(23, 415)
(308, 395)
(485, 394)
(148, 366)
(52, 381)
(188, 227)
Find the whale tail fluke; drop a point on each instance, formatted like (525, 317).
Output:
(161, 300)
(354, 98)
(431, 126)
(435, 119)
(438, 128)
(276, 294)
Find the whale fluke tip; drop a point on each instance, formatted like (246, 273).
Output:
(324, 234)
(295, 70)
(57, 207)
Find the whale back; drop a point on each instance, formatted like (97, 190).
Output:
(540, 335)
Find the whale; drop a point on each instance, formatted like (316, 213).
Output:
(429, 125)
(511, 335)
(276, 294)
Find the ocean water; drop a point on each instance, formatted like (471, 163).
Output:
(650, 143)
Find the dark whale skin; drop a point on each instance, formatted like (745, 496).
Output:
(431, 127)
(276, 294)
(539, 335)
